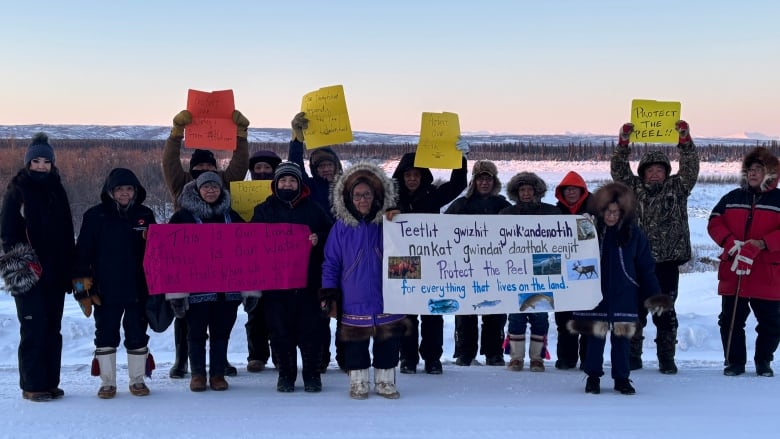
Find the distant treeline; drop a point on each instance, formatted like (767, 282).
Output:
(84, 164)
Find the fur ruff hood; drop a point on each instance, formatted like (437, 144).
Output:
(384, 189)
(540, 187)
(484, 167)
(614, 192)
(763, 156)
(191, 201)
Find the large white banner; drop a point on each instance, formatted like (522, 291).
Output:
(490, 264)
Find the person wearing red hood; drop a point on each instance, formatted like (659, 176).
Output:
(572, 195)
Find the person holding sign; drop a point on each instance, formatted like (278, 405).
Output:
(482, 198)
(572, 195)
(746, 224)
(262, 165)
(418, 194)
(627, 282)
(294, 315)
(527, 189)
(352, 280)
(209, 316)
(176, 177)
(325, 168)
(663, 216)
(109, 272)
(36, 228)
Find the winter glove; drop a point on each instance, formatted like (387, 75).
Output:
(329, 298)
(250, 299)
(735, 248)
(659, 304)
(242, 124)
(462, 146)
(299, 123)
(179, 307)
(181, 120)
(625, 134)
(684, 130)
(744, 260)
(82, 287)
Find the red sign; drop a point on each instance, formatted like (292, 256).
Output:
(212, 124)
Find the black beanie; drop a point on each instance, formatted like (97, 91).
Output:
(202, 156)
(39, 148)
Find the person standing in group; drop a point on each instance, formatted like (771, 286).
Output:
(294, 315)
(176, 177)
(109, 273)
(572, 195)
(419, 194)
(627, 282)
(663, 216)
(527, 189)
(261, 167)
(325, 168)
(36, 228)
(209, 316)
(746, 224)
(482, 198)
(352, 280)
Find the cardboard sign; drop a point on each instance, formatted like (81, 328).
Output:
(438, 135)
(245, 195)
(212, 124)
(326, 110)
(490, 264)
(654, 121)
(197, 258)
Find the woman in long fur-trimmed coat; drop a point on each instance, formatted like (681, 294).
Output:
(352, 277)
(627, 276)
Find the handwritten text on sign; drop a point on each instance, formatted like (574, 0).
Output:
(326, 110)
(196, 258)
(438, 135)
(654, 121)
(469, 264)
(212, 124)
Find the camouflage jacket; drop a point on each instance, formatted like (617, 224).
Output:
(662, 209)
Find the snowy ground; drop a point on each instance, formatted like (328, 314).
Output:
(472, 401)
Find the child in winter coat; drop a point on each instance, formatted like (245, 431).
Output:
(627, 277)
(109, 273)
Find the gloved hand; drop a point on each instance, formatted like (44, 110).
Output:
(250, 303)
(744, 260)
(329, 298)
(299, 123)
(179, 307)
(181, 120)
(625, 134)
(659, 304)
(735, 248)
(684, 130)
(242, 124)
(82, 287)
(463, 146)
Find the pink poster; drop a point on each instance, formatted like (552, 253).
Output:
(196, 258)
(212, 124)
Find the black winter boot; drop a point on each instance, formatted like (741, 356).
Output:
(623, 385)
(635, 352)
(593, 385)
(665, 345)
(179, 368)
(763, 369)
(288, 371)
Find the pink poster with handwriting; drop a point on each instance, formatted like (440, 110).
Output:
(212, 124)
(196, 258)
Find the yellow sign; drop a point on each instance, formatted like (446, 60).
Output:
(654, 121)
(439, 133)
(245, 195)
(326, 110)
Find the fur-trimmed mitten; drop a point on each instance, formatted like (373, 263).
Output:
(242, 124)
(20, 269)
(181, 120)
(82, 292)
(299, 123)
(659, 304)
(329, 299)
(624, 137)
(596, 328)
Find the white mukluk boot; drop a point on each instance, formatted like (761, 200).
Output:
(358, 384)
(136, 369)
(516, 352)
(106, 358)
(535, 352)
(384, 383)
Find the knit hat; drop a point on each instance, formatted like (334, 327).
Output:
(39, 148)
(287, 168)
(202, 156)
(209, 177)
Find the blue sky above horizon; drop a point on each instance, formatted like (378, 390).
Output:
(519, 67)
